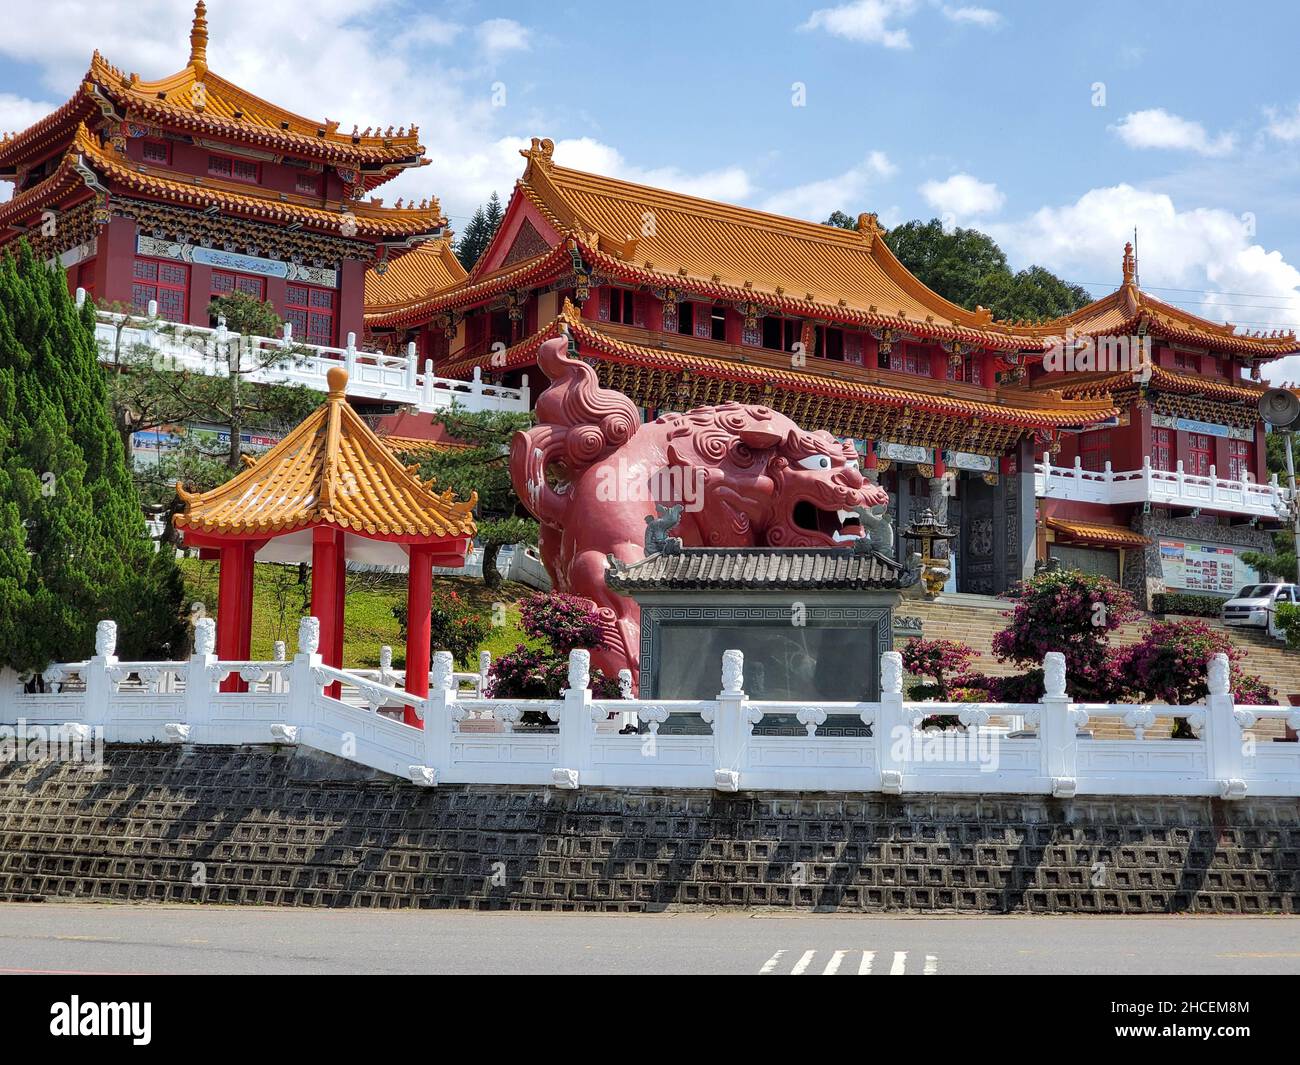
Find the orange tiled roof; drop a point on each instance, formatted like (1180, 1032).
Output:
(428, 267)
(331, 470)
(197, 100)
(1092, 533)
(1128, 307)
(389, 223)
(411, 445)
(1165, 380)
(1038, 409)
(654, 237)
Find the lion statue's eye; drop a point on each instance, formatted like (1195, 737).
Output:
(852, 464)
(816, 462)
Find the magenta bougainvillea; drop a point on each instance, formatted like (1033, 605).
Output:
(1170, 663)
(555, 625)
(944, 664)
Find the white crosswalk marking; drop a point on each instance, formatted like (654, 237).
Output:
(835, 964)
(802, 964)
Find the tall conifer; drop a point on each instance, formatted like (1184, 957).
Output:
(73, 548)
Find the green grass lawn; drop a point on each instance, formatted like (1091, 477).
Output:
(279, 600)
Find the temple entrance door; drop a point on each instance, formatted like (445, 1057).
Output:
(983, 536)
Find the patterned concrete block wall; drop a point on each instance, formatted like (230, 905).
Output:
(253, 825)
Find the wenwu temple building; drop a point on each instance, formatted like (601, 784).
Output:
(1156, 480)
(178, 190)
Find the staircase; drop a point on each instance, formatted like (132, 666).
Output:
(974, 621)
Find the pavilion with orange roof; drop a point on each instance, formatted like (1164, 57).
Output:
(329, 492)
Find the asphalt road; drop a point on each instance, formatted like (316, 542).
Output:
(121, 939)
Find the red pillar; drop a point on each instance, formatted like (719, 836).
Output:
(235, 608)
(419, 599)
(327, 596)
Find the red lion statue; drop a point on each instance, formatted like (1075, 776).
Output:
(595, 479)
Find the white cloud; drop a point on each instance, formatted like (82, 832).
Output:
(1206, 251)
(18, 112)
(963, 196)
(1157, 128)
(815, 200)
(1284, 125)
(865, 22)
(497, 36)
(973, 16)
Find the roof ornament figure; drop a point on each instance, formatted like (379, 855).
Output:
(1130, 264)
(199, 39)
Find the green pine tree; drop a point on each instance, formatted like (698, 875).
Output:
(73, 548)
(480, 231)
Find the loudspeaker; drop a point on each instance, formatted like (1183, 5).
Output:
(1280, 408)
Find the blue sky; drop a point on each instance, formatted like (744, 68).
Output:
(1054, 126)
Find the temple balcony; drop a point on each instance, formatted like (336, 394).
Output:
(1166, 488)
(398, 379)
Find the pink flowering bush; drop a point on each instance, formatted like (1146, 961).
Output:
(555, 624)
(1070, 612)
(1171, 662)
(944, 663)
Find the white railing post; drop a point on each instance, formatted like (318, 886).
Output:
(100, 686)
(892, 729)
(733, 723)
(81, 297)
(477, 388)
(350, 355)
(200, 684)
(524, 392)
(412, 365)
(428, 384)
(1058, 724)
(303, 686)
(1223, 731)
(10, 688)
(441, 714)
(484, 672)
(577, 723)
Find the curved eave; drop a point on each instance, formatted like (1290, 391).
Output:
(1164, 380)
(1063, 413)
(426, 534)
(45, 135)
(62, 181)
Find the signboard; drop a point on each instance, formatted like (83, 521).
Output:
(1200, 567)
(1190, 425)
(229, 260)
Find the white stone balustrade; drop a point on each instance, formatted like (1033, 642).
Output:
(1161, 487)
(371, 375)
(1026, 748)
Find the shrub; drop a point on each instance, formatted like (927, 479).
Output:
(943, 662)
(454, 626)
(565, 622)
(1288, 620)
(1070, 612)
(1198, 606)
(1171, 661)
(557, 624)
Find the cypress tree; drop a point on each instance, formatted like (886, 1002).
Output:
(73, 548)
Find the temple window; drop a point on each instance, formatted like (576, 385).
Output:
(156, 152)
(1241, 459)
(1200, 454)
(830, 343)
(234, 169)
(622, 306)
(166, 282)
(969, 369)
(311, 310)
(718, 321)
(906, 358)
(225, 283)
(1186, 361)
(307, 184)
(1094, 449)
(1162, 449)
(686, 318)
(781, 334)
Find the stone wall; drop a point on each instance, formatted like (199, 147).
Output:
(283, 827)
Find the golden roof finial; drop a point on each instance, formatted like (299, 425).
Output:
(199, 38)
(337, 379)
(1130, 264)
(541, 151)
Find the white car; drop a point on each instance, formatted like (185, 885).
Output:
(1255, 604)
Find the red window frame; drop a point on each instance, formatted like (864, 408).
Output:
(1200, 454)
(166, 147)
(313, 312)
(910, 359)
(1162, 449)
(1185, 360)
(162, 280)
(228, 166)
(1241, 459)
(225, 282)
(970, 370)
(1094, 449)
(308, 184)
